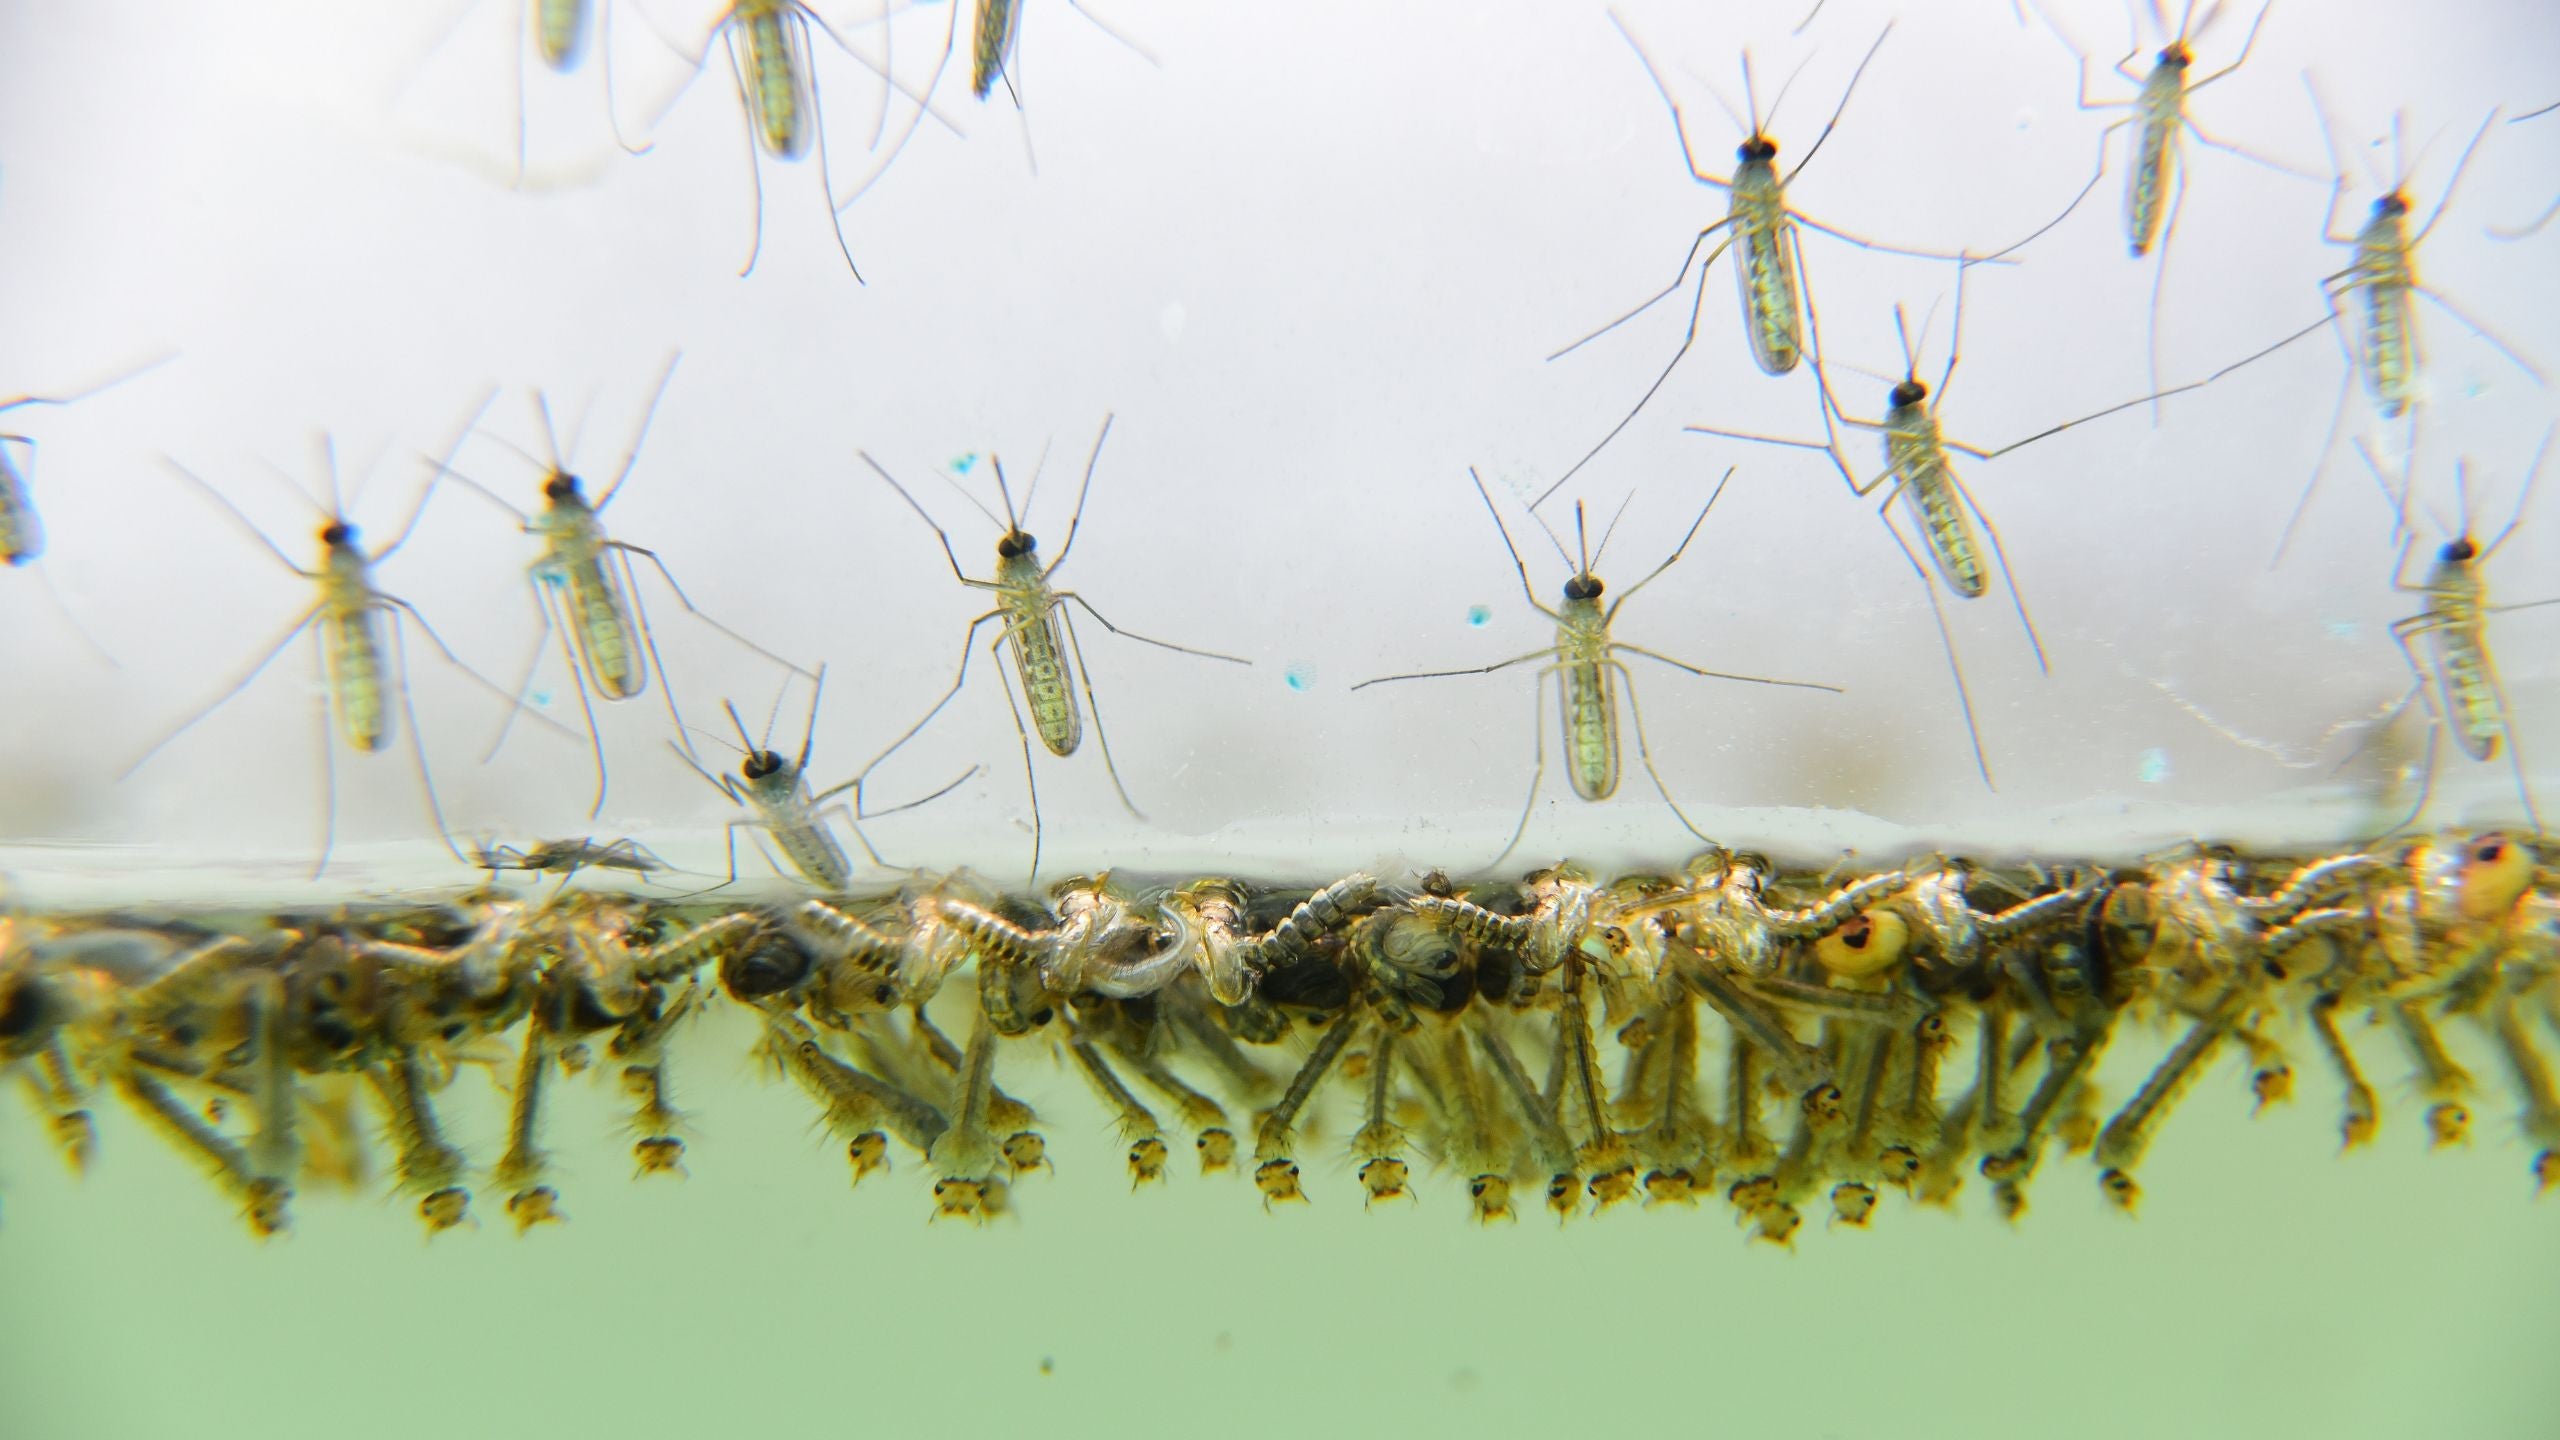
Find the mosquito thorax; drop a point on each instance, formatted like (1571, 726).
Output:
(1014, 544)
(1583, 587)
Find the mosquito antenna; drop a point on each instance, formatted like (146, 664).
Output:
(1902, 332)
(329, 466)
(713, 736)
(550, 436)
(537, 462)
(746, 743)
(956, 489)
(1543, 528)
(1780, 102)
(1037, 466)
(1612, 529)
(2523, 495)
(809, 727)
(1012, 522)
(1911, 360)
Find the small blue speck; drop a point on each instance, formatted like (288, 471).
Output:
(1478, 614)
(1300, 678)
(2154, 767)
(2344, 629)
(541, 699)
(964, 464)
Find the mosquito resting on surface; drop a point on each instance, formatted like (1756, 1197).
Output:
(356, 628)
(1759, 220)
(771, 59)
(2457, 682)
(1936, 502)
(21, 528)
(585, 590)
(775, 793)
(995, 38)
(1037, 632)
(2156, 184)
(568, 857)
(2382, 344)
(1584, 658)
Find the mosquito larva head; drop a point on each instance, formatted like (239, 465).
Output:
(1757, 147)
(1014, 544)
(1491, 1195)
(1583, 587)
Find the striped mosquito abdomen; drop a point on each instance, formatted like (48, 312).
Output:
(1765, 244)
(2386, 272)
(355, 661)
(780, 795)
(2161, 110)
(21, 532)
(2456, 596)
(560, 30)
(777, 86)
(990, 42)
(1918, 459)
(1589, 692)
(600, 621)
(1039, 646)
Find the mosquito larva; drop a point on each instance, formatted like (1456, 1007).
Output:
(1037, 632)
(1758, 219)
(1136, 1123)
(1583, 658)
(263, 1201)
(428, 1166)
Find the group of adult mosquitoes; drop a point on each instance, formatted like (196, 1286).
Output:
(587, 586)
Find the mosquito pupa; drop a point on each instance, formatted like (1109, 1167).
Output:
(358, 630)
(586, 591)
(2456, 678)
(1759, 225)
(1583, 658)
(1037, 632)
(2381, 286)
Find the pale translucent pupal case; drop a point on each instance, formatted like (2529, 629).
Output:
(1311, 262)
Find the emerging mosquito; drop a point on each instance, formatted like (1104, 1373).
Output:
(356, 627)
(1759, 220)
(2156, 182)
(567, 857)
(774, 792)
(1036, 631)
(585, 590)
(2457, 681)
(2382, 344)
(1936, 502)
(1584, 658)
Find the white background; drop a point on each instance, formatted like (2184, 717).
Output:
(1312, 262)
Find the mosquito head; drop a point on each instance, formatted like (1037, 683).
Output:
(1014, 544)
(1758, 148)
(2177, 56)
(761, 763)
(562, 487)
(337, 534)
(1585, 586)
(2459, 552)
(2394, 204)
(1910, 391)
